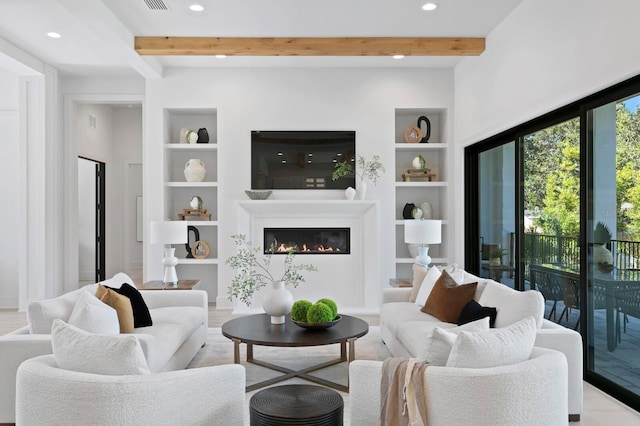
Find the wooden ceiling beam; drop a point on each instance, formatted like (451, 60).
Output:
(310, 46)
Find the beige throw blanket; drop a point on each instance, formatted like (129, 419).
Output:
(402, 398)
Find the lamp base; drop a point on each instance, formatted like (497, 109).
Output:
(423, 257)
(170, 261)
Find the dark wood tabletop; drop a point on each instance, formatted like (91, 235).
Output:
(258, 330)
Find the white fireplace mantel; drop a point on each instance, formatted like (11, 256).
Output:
(354, 280)
(298, 207)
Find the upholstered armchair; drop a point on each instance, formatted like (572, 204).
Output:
(532, 392)
(48, 395)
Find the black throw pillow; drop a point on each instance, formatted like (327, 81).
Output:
(473, 311)
(141, 315)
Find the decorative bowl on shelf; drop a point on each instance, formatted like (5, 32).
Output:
(317, 325)
(258, 195)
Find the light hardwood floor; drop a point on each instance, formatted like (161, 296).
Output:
(599, 408)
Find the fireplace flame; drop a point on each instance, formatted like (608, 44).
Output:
(284, 248)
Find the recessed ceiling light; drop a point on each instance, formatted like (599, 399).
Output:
(398, 56)
(196, 7)
(429, 6)
(221, 56)
(53, 34)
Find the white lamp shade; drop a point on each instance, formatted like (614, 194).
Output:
(168, 232)
(423, 231)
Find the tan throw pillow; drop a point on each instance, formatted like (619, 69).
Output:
(447, 298)
(419, 272)
(121, 304)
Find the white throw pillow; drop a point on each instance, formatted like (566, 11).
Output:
(78, 350)
(117, 280)
(427, 285)
(512, 305)
(92, 315)
(438, 341)
(495, 347)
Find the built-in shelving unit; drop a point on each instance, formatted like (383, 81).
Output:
(179, 192)
(435, 192)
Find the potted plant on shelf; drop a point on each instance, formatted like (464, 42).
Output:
(366, 169)
(495, 256)
(253, 273)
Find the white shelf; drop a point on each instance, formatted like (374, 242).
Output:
(436, 156)
(191, 147)
(191, 184)
(437, 184)
(400, 222)
(202, 222)
(420, 146)
(210, 261)
(413, 259)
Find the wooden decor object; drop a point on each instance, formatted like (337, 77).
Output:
(200, 250)
(194, 212)
(310, 46)
(418, 175)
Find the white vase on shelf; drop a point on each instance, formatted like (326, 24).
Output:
(194, 170)
(361, 189)
(277, 302)
(350, 193)
(427, 212)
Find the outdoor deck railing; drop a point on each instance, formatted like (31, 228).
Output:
(561, 250)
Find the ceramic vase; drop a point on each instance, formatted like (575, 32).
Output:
(427, 212)
(277, 302)
(183, 135)
(361, 189)
(203, 135)
(194, 170)
(350, 193)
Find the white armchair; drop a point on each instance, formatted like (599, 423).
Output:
(533, 392)
(47, 395)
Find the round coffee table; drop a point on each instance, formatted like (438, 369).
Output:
(258, 330)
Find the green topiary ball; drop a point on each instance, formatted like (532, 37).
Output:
(299, 310)
(319, 313)
(331, 304)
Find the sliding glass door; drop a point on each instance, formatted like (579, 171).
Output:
(554, 205)
(496, 215)
(613, 287)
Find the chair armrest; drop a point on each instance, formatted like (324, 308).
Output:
(15, 348)
(171, 298)
(364, 392)
(396, 294)
(569, 342)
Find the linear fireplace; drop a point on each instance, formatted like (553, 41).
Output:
(308, 240)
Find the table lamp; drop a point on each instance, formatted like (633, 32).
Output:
(423, 232)
(167, 233)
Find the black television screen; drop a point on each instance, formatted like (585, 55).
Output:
(300, 159)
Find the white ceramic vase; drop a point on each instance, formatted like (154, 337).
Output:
(361, 189)
(194, 170)
(427, 212)
(350, 193)
(277, 302)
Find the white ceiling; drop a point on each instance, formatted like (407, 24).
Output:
(97, 35)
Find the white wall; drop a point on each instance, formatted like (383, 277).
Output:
(544, 55)
(9, 172)
(261, 99)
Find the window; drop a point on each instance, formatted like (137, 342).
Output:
(560, 195)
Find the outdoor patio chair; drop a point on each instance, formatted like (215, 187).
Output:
(627, 303)
(549, 285)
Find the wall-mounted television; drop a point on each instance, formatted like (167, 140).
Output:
(300, 159)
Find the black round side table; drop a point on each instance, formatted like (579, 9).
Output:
(308, 405)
